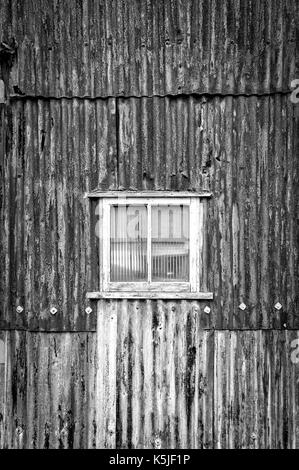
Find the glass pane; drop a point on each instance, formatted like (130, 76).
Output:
(170, 243)
(128, 237)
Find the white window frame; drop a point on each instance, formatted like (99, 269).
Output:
(151, 289)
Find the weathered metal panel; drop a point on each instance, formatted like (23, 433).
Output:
(165, 376)
(14, 377)
(50, 391)
(2, 382)
(122, 47)
(58, 150)
(241, 149)
(256, 390)
(149, 378)
(177, 386)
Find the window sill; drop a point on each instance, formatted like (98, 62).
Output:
(151, 295)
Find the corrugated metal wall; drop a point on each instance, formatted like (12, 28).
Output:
(82, 116)
(58, 150)
(242, 149)
(119, 47)
(50, 391)
(162, 381)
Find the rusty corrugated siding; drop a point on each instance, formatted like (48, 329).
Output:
(117, 47)
(242, 149)
(256, 399)
(50, 391)
(155, 373)
(162, 382)
(58, 150)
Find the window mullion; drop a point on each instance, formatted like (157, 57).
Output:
(149, 243)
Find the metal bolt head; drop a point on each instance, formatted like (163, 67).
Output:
(157, 443)
(19, 309)
(88, 310)
(278, 306)
(53, 310)
(284, 325)
(207, 309)
(19, 430)
(242, 306)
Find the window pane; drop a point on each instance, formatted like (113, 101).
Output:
(170, 243)
(128, 237)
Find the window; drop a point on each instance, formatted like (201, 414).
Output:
(150, 245)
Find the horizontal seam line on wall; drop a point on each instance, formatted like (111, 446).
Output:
(166, 95)
(95, 330)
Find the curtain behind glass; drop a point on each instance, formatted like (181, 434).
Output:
(170, 243)
(128, 237)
